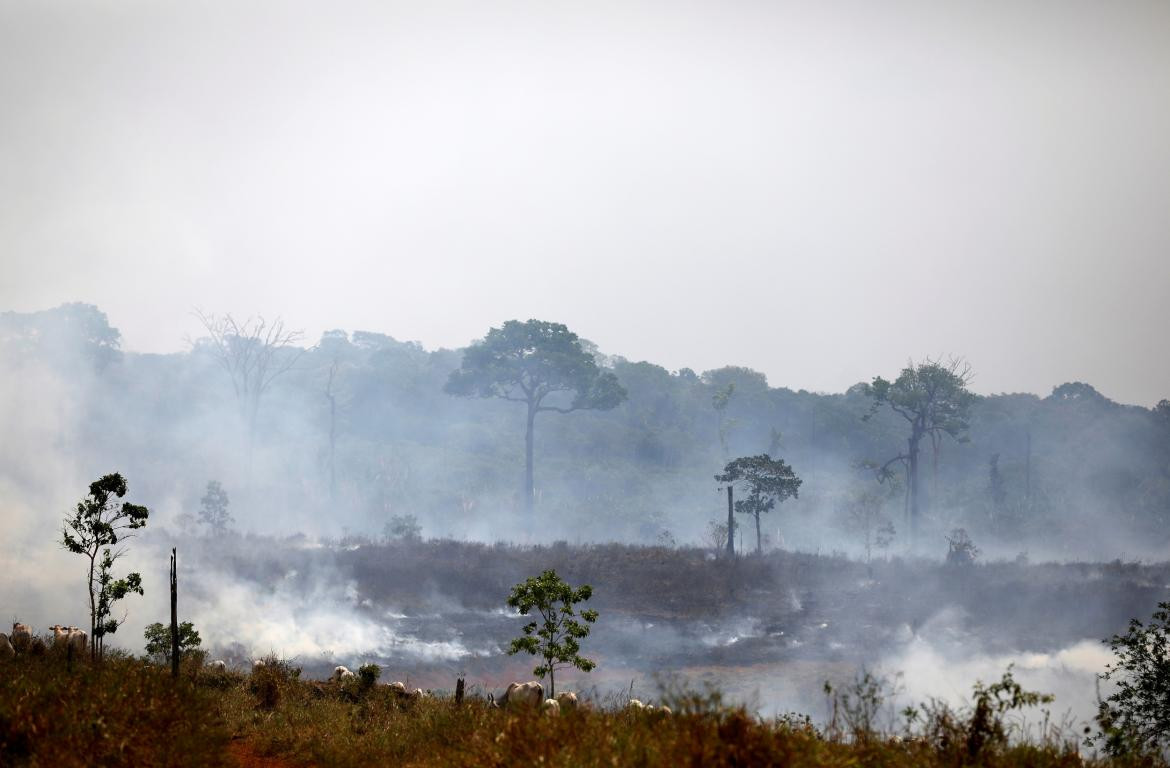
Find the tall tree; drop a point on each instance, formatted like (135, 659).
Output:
(934, 400)
(98, 524)
(213, 509)
(766, 482)
(542, 365)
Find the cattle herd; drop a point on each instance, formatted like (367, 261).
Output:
(22, 641)
(75, 642)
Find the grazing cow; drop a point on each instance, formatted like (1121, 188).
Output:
(636, 705)
(418, 693)
(567, 700)
(21, 637)
(258, 665)
(551, 707)
(530, 694)
(6, 650)
(219, 665)
(666, 710)
(398, 687)
(340, 673)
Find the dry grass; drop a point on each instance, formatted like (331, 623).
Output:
(127, 712)
(355, 725)
(122, 712)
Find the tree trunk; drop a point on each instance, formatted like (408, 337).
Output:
(529, 484)
(1028, 469)
(332, 447)
(915, 486)
(552, 683)
(459, 692)
(92, 614)
(174, 614)
(759, 546)
(730, 524)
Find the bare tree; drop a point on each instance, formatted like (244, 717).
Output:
(254, 353)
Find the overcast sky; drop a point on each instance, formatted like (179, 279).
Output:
(817, 190)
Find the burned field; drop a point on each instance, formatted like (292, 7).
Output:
(432, 610)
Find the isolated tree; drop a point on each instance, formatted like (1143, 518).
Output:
(542, 365)
(557, 636)
(765, 480)
(94, 530)
(1136, 716)
(254, 353)
(213, 509)
(934, 400)
(403, 527)
(158, 641)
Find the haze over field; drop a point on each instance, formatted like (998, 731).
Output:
(811, 190)
(752, 214)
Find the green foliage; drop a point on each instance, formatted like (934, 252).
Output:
(213, 509)
(529, 361)
(768, 481)
(158, 641)
(403, 527)
(932, 396)
(368, 675)
(96, 527)
(557, 636)
(1136, 717)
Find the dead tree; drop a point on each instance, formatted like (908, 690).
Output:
(254, 353)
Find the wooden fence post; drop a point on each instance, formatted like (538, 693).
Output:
(174, 614)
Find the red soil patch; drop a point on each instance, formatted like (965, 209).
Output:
(246, 757)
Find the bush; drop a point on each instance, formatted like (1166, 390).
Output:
(1136, 718)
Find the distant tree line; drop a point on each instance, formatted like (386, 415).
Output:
(361, 428)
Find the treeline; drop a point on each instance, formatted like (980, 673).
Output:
(355, 433)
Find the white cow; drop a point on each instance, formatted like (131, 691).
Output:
(340, 673)
(79, 640)
(398, 687)
(218, 666)
(636, 705)
(567, 700)
(6, 650)
(530, 694)
(60, 637)
(21, 637)
(551, 707)
(258, 665)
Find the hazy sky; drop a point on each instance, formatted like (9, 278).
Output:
(816, 190)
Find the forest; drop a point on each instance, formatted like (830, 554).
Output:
(355, 434)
